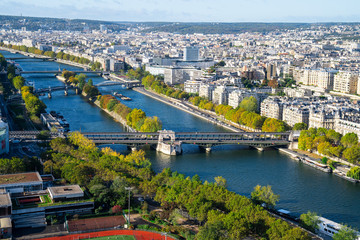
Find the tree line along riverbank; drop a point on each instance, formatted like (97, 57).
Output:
(218, 212)
(51, 54)
(245, 114)
(133, 119)
(325, 142)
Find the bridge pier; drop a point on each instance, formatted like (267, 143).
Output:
(260, 149)
(167, 144)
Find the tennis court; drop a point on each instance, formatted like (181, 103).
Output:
(95, 223)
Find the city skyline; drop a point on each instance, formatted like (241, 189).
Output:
(189, 10)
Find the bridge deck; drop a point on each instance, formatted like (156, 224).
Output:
(200, 138)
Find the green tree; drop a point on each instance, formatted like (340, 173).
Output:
(250, 104)
(151, 125)
(333, 136)
(352, 154)
(345, 233)
(111, 105)
(300, 126)
(220, 181)
(349, 140)
(274, 125)
(310, 221)
(135, 116)
(119, 193)
(211, 231)
(18, 82)
(264, 194)
(324, 148)
(13, 165)
(81, 83)
(59, 55)
(354, 173)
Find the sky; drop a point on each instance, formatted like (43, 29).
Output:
(189, 10)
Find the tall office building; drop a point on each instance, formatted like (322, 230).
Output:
(103, 28)
(191, 53)
(271, 71)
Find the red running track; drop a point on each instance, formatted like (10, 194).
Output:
(140, 235)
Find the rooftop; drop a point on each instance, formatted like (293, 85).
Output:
(66, 191)
(20, 178)
(5, 222)
(5, 200)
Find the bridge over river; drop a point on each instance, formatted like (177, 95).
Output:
(170, 142)
(59, 72)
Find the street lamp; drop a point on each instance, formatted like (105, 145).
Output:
(164, 234)
(129, 189)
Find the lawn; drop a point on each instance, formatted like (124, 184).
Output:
(120, 237)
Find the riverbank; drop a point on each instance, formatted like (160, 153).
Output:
(181, 106)
(33, 55)
(313, 162)
(116, 117)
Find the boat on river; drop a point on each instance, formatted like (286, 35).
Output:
(121, 96)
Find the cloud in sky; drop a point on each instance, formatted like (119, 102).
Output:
(189, 10)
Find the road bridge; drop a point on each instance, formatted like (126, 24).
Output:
(59, 72)
(27, 58)
(205, 140)
(49, 90)
(126, 84)
(53, 89)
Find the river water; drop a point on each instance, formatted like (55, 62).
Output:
(301, 188)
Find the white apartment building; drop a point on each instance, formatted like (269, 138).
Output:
(178, 75)
(295, 114)
(321, 78)
(346, 82)
(344, 126)
(272, 108)
(28, 42)
(321, 119)
(298, 93)
(192, 86)
(221, 94)
(206, 91)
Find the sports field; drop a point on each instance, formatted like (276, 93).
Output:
(118, 237)
(113, 235)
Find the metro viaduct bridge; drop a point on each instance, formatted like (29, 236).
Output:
(207, 140)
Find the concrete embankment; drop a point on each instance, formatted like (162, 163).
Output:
(314, 163)
(116, 117)
(179, 105)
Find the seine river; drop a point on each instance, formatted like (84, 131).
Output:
(301, 188)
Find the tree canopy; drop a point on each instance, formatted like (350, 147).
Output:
(264, 194)
(250, 104)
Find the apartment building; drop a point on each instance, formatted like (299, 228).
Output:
(346, 82)
(272, 107)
